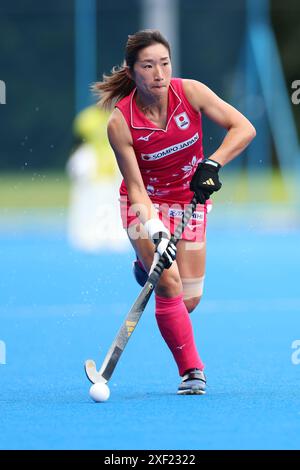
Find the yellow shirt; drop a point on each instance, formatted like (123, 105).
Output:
(91, 125)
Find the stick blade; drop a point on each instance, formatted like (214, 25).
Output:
(91, 372)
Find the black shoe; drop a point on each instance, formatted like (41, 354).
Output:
(193, 383)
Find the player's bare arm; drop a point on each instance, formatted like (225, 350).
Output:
(121, 141)
(240, 130)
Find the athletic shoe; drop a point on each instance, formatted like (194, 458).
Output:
(193, 383)
(139, 272)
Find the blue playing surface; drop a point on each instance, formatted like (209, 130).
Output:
(59, 306)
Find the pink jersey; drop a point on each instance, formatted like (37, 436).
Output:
(168, 157)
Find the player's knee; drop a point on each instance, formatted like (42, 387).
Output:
(169, 285)
(192, 303)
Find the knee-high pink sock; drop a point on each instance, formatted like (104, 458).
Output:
(176, 328)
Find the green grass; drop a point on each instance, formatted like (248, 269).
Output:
(50, 190)
(256, 187)
(37, 190)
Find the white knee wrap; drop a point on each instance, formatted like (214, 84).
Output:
(192, 287)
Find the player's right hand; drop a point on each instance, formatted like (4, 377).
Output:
(167, 249)
(160, 236)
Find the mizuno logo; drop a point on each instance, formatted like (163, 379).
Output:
(130, 325)
(209, 182)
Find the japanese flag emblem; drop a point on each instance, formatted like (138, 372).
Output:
(182, 120)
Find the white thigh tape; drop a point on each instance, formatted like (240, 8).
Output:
(192, 287)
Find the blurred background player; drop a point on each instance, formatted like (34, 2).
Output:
(93, 209)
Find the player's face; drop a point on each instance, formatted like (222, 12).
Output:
(153, 70)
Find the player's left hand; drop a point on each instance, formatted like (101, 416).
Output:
(164, 245)
(205, 180)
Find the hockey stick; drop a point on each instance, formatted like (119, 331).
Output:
(135, 313)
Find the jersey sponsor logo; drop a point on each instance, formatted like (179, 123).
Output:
(170, 150)
(179, 213)
(182, 121)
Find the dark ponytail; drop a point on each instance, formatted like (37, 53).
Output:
(113, 87)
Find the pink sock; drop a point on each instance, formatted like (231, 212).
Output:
(176, 328)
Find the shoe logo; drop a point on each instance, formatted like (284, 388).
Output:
(130, 325)
(209, 182)
(180, 347)
(146, 137)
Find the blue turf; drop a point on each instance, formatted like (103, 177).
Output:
(59, 307)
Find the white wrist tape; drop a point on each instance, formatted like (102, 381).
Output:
(212, 162)
(154, 226)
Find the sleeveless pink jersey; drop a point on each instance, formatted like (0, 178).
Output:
(168, 157)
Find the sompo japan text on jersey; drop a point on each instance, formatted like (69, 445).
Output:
(168, 157)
